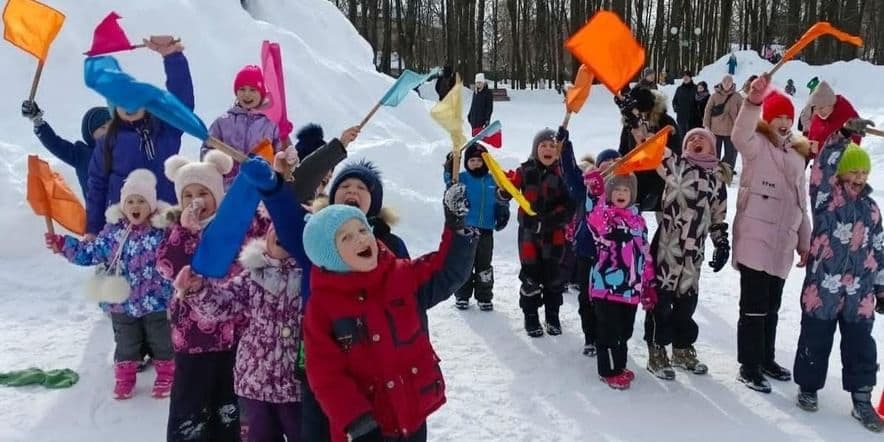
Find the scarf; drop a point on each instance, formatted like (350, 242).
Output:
(701, 95)
(706, 161)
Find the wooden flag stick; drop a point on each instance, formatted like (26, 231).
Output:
(36, 80)
(566, 120)
(142, 45)
(217, 144)
(49, 226)
(370, 114)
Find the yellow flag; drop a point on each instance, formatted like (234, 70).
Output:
(31, 25)
(449, 114)
(500, 178)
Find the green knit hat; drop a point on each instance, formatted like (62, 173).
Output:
(854, 158)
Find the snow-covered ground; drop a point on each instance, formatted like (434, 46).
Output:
(502, 385)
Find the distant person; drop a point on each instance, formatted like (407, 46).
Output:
(684, 103)
(700, 101)
(482, 105)
(664, 77)
(732, 64)
(790, 87)
(719, 116)
(445, 82)
(648, 80)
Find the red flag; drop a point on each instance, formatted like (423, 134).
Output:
(493, 140)
(109, 37)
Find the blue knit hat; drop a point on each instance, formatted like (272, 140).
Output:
(319, 235)
(93, 119)
(364, 171)
(309, 139)
(607, 155)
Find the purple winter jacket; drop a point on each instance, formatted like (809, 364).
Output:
(242, 130)
(266, 296)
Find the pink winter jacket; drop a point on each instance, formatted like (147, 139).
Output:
(771, 221)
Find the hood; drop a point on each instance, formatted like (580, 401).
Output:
(114, 214)
(253, 257)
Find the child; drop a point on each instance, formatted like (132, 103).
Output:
(370, 361)
(244, 125)
(830, 112)
(132, 291)
(488, 215)
(76, 154)
(844, 277)
(623, 273)
(267, 294)
(770, 225)
(137, 140)
(694, 206)
(790, 87)
(542, 237)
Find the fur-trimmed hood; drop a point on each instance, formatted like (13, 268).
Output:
(277, 276)
(798, 142)
(114, 214)
(386, 214)
(659, 108)
(172, 215)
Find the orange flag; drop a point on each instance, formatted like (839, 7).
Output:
(816, 31)
(606, 45)
(646, 156)
(49, 196)
(577, 95)
(264, 149)
(31, 25)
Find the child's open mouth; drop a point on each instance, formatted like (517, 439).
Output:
(136, 216)
(621, 201)
(783, 131)
(548, 157)
(352, 202)
(698, 149)
(367, 253)
(248, 102)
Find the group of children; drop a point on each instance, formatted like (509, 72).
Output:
(358, 364)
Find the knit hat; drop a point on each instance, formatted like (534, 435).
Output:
(854, 158)
(143, 183)
(209, 172)
(319, 235)
(776, 104)
(544, 135)
(310, 138)
(93, 119)
(644, 99)
(705, 133)
(823, 95)
(250, 75)
(628, 181)
(607, 155)
(366, 172)
(648, 71)
(475, 150)
(813, 83)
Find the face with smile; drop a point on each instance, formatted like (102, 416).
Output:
(699, 144)
(199, 195)
(824, 111)
(782, 125)
(136, 209)
(130, 117)
(621, 196)
(547, 152)
(353, 192)
(855, 181)
(248, 97)
(357, 246)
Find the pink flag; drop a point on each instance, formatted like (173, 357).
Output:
(109, 37)
(271, 63)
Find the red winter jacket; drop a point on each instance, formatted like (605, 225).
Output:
(366, 339)
(821, 130)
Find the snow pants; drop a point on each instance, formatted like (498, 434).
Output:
(584, 302)
(859, 359)
(314, 422)
(614, 322)
(760, 297)
(132, 335)
(672, 320)
(541, 255)
(269, 422)
(481, 281)
(203, 406)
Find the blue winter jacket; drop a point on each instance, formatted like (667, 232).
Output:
(76, 154)
(131, 150)
(584, 244)
(482, 196)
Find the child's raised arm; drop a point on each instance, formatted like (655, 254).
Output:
(90, 253)
(744, 133)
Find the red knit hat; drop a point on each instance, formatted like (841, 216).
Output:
(776, 104)
(250, 75)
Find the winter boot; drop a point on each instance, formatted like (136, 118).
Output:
(462, 304)
(752, 377)
(630, 375)
(532, 324)
(686, 359)
(808, 401)
(863, 410)
(775, 371)
(553, 326)
(162, 386)
(618, 381)
(486, 306)
(124, 373)
(658, 362)
(589, 350)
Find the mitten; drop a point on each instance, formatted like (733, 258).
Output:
(757, 90)
(31, 111)
(595, 183)
(190, 216)
(648, 298)
(501, 216)
(54, 242)
(456, 205)
(448, 166)
(562, 134)
(259, 173)
(718, 234)
(619, 236)
(879, 298)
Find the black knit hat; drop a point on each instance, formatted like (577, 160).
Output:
(309, 139)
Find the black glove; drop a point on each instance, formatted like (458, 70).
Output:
(718, 233)
(448, 162)
(501, 216)
(31, 111)
(879, 300)
(619, 236)
(456, 205)
(562, 134)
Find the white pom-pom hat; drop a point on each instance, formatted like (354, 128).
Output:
(209, 172)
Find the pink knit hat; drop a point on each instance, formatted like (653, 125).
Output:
(250, 75)
(143, 183)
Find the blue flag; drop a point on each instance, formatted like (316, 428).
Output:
(406, 82)
(104, 75)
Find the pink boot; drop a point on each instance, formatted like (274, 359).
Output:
(162, 386)
(124, 373)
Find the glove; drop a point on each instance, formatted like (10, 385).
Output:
(163, 44)
(619, 236)
(31, 111)
(448, 166)
(456, 204)
(54, 242)
(879, 298)
(259, 173)
(190, 216)
(562, 134)
(858, 125)
(594, 182)
(648, 298)
(757, 90)
(501, 216)
(720, 257)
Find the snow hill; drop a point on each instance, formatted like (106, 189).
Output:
(503, 386)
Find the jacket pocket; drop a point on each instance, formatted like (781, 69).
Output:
(763, 203)
(403, 321)
(425, 391)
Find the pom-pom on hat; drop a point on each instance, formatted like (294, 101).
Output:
(250, 75)
(366, 172)
(854, 158)
(143, 183)
(776, 104)
(319, 235)
(209, 172)
(310, 138)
